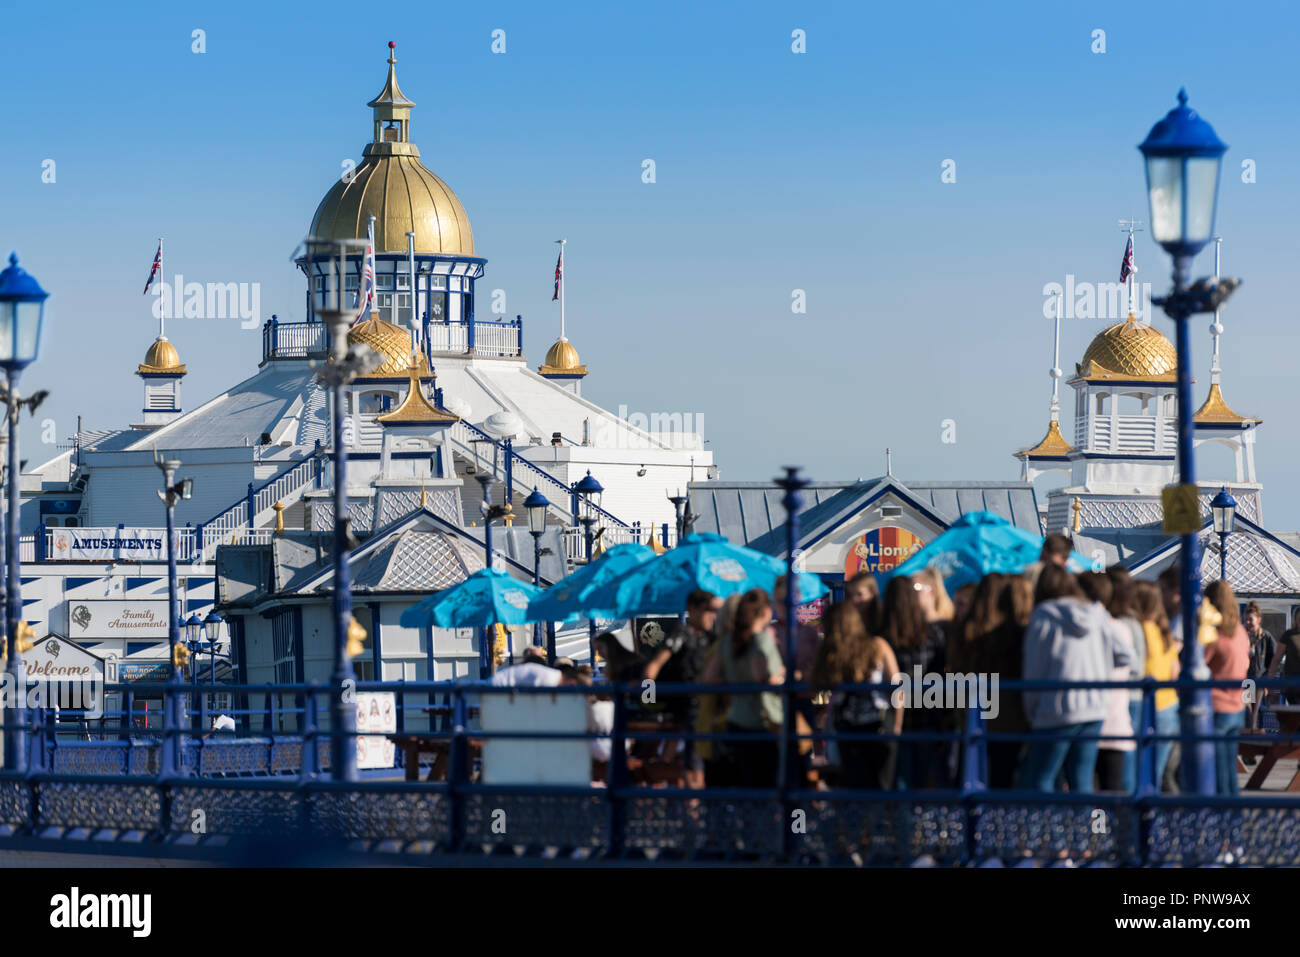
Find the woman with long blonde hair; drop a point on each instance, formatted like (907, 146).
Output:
(1161, 664)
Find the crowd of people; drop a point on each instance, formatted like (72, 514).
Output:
(1046, 624)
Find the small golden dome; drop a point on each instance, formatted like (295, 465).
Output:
(1216, 411)
(562, 359)
(1129, 350)
(161, 357)
(1052, 446)
(415, 408)
(390, 341)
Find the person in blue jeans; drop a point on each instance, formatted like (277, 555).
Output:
(1069, 638)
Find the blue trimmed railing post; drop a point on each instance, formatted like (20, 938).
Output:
(169, 756)
(457, 772)
(519, 335)
(469, 334)
(128, 703)
(251, 508)
(40, 542)
(617, 778)
(792, 483)
(974, 764)
(36, 743)
(309, 766)
(1147, 782)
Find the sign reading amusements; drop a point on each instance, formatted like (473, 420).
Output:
(110, 544)
(103, 619)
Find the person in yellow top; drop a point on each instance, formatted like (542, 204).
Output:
(1162, 665)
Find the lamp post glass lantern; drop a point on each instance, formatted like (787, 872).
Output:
(1183, 155)
(1223, 510)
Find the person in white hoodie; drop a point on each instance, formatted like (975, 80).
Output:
(1069, 638)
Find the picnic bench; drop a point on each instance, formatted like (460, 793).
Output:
(1269, 751)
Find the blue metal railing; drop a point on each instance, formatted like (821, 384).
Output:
(966, 822)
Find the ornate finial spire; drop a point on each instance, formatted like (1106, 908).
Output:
(392, 113)
(1182, 96)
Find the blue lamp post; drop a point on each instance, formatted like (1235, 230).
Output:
(169, 763)
(536, 505)
(22, 313)
(1183, 155)
(589, 491)
(1223, 509)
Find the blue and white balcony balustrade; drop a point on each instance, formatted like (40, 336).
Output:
(293, 340)
(484, 339)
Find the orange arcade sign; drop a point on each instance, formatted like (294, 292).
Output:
(881, 550)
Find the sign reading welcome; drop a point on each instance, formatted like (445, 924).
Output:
(113, 618)
(881, 550)
(53, 658)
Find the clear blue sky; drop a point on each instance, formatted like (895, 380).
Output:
(775, 171)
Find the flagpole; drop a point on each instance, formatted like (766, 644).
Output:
(162, 281)
(562, 278)
(1216, 328)
(415, 304)
(1131, 225)
(1055, 409)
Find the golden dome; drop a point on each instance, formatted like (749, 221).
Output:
(392, 185)
(390, 341)
(1129, 350)
(161, 357)
(562, 359)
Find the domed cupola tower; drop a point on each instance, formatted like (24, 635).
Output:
(425, 267)
(1125, 430)
(162, 372)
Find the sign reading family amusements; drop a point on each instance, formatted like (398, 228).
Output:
(113, 618)
(881, 550)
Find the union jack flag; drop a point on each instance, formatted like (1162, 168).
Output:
(1126, 268)
(559, 274)
(367, 286)
(153, 270)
